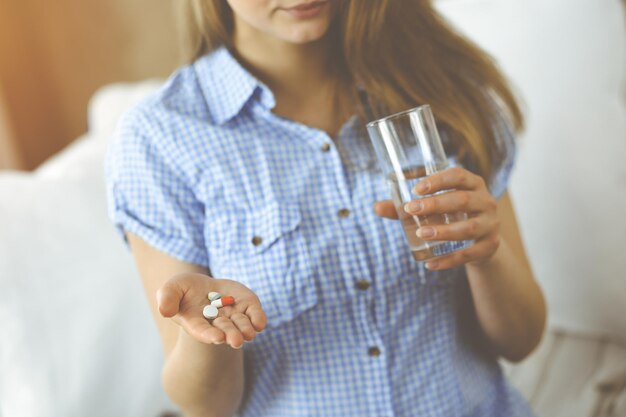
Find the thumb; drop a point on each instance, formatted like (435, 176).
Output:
(169, 297)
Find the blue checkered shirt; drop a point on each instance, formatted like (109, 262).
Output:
(205, 172)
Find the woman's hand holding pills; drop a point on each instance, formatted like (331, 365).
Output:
(184, 297)
(469, 194)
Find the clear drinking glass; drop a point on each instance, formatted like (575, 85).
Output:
(409, 148)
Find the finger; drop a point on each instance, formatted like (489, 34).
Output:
(456, 177)
(451, 202)
(480, 250)
(169, 296)
(202, 330)
(242, 322)
(233, 335)
(473, 228)
(257, 316)
(386, 208)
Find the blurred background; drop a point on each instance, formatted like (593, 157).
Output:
(54, 55)
(76, 335)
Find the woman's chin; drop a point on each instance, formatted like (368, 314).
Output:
(304, 36)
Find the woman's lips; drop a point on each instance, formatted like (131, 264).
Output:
(306, 11)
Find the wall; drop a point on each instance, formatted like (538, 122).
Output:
(54, 55)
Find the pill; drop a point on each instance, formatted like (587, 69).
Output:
(214, 296)
(224, 301)
(210, 312)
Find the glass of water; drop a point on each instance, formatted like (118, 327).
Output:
(409, 148)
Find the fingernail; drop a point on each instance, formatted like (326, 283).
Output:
(425, 232)
(422, 187)
(432, 264)
(413, 207)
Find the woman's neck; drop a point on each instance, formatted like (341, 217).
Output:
(296, 71)
(302, 77)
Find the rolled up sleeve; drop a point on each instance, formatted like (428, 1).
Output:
(148, 197)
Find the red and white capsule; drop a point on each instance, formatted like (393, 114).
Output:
(223, 302)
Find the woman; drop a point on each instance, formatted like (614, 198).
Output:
(249, 174)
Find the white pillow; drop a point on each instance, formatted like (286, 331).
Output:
(568, 58)
(111, 101)
(76, 338)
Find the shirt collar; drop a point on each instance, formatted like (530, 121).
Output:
(227, 86)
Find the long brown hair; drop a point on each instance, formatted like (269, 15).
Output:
(403, 53)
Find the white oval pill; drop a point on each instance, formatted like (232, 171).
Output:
(210, 312)
(214, 296)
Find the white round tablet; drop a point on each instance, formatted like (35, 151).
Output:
(210, 312)
(214, 296)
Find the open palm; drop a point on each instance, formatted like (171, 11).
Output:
(183, 297)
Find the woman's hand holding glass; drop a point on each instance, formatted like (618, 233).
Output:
(183, 297)
(468, 193)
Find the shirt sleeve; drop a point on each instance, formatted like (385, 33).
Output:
(148, 197)
(506, 146)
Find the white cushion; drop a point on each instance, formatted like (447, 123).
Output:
(570, 375)
(111, 101)
(77, 336)
(568, 60)
(77, 339)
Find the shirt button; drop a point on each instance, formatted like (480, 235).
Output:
(256, 241)
(344, 212)
(373, 351)
(362, 284)
(326, 147)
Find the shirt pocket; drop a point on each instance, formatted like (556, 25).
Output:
(265, 249)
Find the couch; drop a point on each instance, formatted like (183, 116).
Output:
(76, 336)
